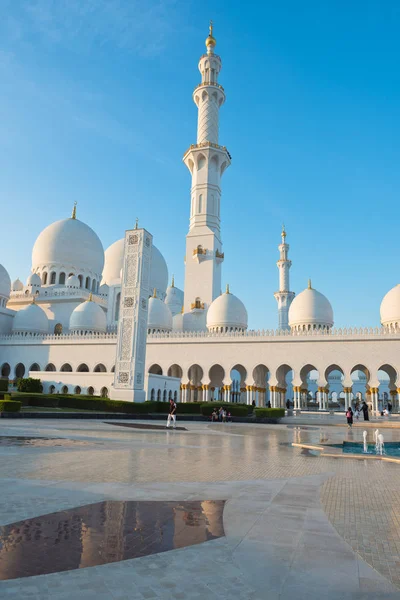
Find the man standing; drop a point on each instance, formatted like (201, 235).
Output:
(171, 414)
(364, 408)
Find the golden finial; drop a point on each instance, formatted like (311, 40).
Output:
(227, 289)
(90, 299)
(173, 281)
(33, 300)
(283, 230)
(211, 42)
(309, 284)
(182, 310)
(154, 293)
(74, 210)
(137, 223)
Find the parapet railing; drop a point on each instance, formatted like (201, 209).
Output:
(347, 332)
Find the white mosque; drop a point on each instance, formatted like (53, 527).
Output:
(62, 325)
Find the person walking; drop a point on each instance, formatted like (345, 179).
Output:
(349, 416)
(364, 408)
(171, 414)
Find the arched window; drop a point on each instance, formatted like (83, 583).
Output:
(80, 277)
(77, 390)
(66, 368)
(58, 329)
(152, 394)
(19, 370)
(64, 389)
(61, 279)
(50, 367)
(94, 286)
(83, 368)
(44, 278)
(175, 396)
(90, 391)
(100, 368)
(52, 278)
(164, 396)
(117, 305)
(113, 369)
(200, 203)
(70, 274)
(87, 285)
(34, 367)
(52, 389)
(158, 395)
(170, 395)
(104, 392)
(5, 370)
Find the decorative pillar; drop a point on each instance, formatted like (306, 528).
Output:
(132, 323)
(248, 395)
(272, 395)
(398, 399)
(206, 393)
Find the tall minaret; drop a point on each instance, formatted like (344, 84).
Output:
(284, 297)
(206, 161)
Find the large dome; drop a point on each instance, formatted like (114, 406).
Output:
(390, 308)
(310, 310)
(174, 298)
(88, 317)
(114, 258)
(69, 244)
(227, 313)
(159, 316)
(31, 319)
(5, 283)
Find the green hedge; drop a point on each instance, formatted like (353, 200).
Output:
(236, 410)
(269, 413)
(3, 385)
(29, 385)
(188, 408)
(10, 406)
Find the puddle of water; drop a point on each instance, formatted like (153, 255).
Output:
(105, 532)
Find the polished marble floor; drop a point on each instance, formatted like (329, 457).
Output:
(295, 524)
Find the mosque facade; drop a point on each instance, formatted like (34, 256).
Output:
(62, 324)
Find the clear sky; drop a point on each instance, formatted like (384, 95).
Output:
(96, 107)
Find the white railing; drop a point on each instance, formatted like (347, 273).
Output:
(58, 293)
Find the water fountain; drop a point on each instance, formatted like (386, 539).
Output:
(380, 448)
(365, 442)
(376, 434)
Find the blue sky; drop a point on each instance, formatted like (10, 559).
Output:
(96, 107)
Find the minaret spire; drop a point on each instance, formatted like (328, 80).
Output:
(73, 216)
(206, 160)
(284, 296)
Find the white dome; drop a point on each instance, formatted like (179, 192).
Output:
(69, 244)
(227, 312)
(174, 299)
(17, 285)
(73, 282)
(31, 319)
(34, 280)
(177, 322)
(310, 309)
(5, 283)
(159, 316)
(113, 263)
(88, 316)
(390, 308)
(104, 289)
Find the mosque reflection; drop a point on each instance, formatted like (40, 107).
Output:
(105, 532)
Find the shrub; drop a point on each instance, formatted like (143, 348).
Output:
(269, 413)
(29, 385)
(10, 406)
(3, 385)
(236, 410)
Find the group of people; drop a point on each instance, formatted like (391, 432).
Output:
(221, 415)
(350, 414)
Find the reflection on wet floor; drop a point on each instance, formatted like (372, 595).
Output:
(105, 532)
(145, 426)
(6, 440)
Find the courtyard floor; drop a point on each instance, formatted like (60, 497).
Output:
(214, 512)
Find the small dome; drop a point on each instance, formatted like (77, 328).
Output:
(310, 310)
(174, 298)
(33, 280)
(31, 319)
(73, 282)
(177, 322)
(88, 316)
(227, 313)
(104, 290)
(5, 283)
(390, 308)
(159, 316)
(113, 263)
(69, 243)
(17, 285)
